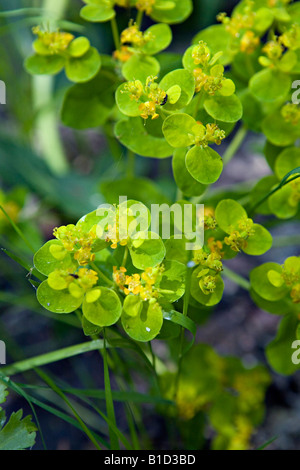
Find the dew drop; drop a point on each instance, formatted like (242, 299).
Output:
(147, 329)
(48, 304)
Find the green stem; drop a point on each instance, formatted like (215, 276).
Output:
(235, 144)
(185, 312)
(124, 261)
(100, 273)
(59, 355)
(115, 32)
(239, 280)
(199, 102)
(153, 356)
(131, 164)
(139, 18)
(109, 400)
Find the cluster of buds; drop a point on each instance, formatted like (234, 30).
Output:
(215, 246)
(134, 37)
(291, 37)
(78, 282)
(237, 240)
(142, 284)
(291, 113)
(151, 93)
(211, 80)
(211, 261)
(56, 42)
(145, 5)
(205, 135)
(274, 49)
(76, 241)
(240, 27)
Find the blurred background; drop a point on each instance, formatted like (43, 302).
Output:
(51, 175)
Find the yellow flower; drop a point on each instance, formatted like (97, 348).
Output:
(145, 5)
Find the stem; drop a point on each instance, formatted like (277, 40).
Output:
(131, 164)
(125, 256)
(109, 400)
(153, 356)
(59, 355)
(239, 280)
(100, 273)
(115, 32)
(139, 18)
(200, 99)
(235, 144)
(185, 312)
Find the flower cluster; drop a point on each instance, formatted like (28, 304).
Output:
(142, 284)
(77, 281)
(291, 277)
(237, 240)
(152, 95)
(55, 42)
(291, 113)
(76, 241)
(145, 5)
(208, 134)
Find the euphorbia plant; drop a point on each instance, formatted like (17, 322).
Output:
(236, 73)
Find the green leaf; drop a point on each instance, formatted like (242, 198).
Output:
(280, 205)
(137, 137)
(224, 108)
(262, 286)
(184, 180)
(160, 38)
(145, 326)
(185, 80)
(44, 65)
(228, 214)
(180, 319)
(97, 13)
(279, 352)
(84, 68)
(218, 39)
(262, 188)
(18, 433)
(45, 262)
(105, 311)
(89, 104)
(204, 164)
(139, 67)
(178, 12)
(260, 242)
(125, 104)
(177, 130)
(278, 131)
(268, 86)
(288, 161)
(79, 47)
(146, 252)
(172, 281)
(206, 299)
(89, 328)
(57, 301)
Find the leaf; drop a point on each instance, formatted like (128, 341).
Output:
(148, 251)
(145, 326)
(18, 433)
(84, 68)
(139, 67)
(185, 80)
(206, 299)
(288, 164)
(279, 352)
(57, 301)
(125, 104)
(185, 322)
(105, 311)
(177, 130)
(218, 39)
(178, 12)
(89, 105)
(184, 180)
(79, 47)
(224, 108)
(45, 262)
(204, 164)
(228, 214)
(268, 86)
(97, 13)
(172, 281)
(261, 284)
(260, 242)
(135, 136)
(278, 131)
(44, 65)
(160, 38)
